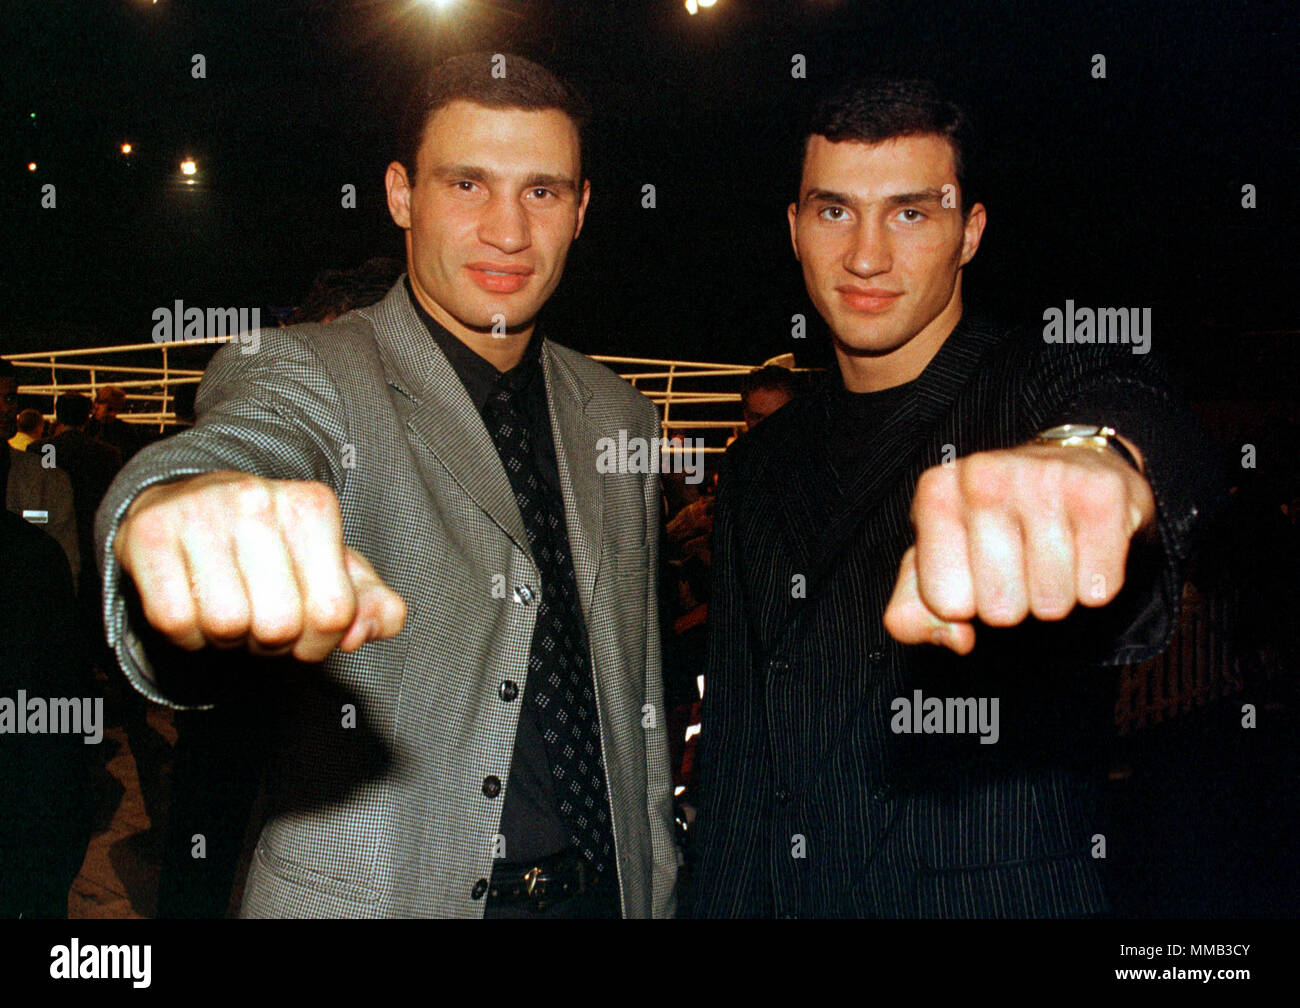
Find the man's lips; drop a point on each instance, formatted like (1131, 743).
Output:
(499, 278)
(868, 299)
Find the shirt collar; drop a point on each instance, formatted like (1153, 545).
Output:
(479, 375)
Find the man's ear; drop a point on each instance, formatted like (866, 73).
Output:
(399, 194)
(582, 206)
(792, 212)
(973, 231)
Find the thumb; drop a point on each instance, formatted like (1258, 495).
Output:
(909, 621)
(381, 612)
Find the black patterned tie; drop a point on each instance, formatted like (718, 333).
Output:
(558, 664)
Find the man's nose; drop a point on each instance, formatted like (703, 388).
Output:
(504, 225)
(870, 252)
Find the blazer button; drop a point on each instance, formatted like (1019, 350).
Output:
(876, 656)
(491, 786)
(524, 594)
(783, 796)
(480, 887)
(508, 690)
(778, 667)
(883, 793)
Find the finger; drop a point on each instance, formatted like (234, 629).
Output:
(313, 534)
(380, 613)
(909, 621)
(1100, 523)
(1049, 563)
(942, 557)
(275, 622)
(998, 567)
(155, 562)
(221, 602)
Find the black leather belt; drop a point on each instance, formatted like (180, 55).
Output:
(542, 883)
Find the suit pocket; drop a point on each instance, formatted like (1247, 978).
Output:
(1067, 884)
(331, 855)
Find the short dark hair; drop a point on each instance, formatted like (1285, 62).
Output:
(875, 109)
(337, 292)
(30, 420)
(525, 85)
(72, 408)
(772, 376)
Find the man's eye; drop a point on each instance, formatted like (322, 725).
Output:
(833, 213)
(540, 193)
(463, 185)
(911, 215)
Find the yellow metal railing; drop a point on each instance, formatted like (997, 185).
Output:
(696, 396)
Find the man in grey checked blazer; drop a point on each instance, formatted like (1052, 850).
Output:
(341, 511)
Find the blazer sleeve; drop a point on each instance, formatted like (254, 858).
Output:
(1132, 393)
(659, 777)
(275, 413)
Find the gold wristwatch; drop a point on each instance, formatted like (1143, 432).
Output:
(1088, 436)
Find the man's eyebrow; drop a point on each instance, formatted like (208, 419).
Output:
(920, 196)
(828, 196)
(471, 173)
(561, 182)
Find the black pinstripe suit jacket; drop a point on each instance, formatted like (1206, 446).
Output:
(810, 804)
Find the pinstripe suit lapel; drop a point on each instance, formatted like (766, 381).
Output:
(576, 435)
(441, 414)
(902, 435)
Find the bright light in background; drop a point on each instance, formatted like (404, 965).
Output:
(679, 789)
(692, 731)
(126, 148)
(699, 685)
(31, 165)
(188, 167)
(441, 4)
(693, 6)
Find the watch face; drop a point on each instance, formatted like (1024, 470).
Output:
(1071, 430)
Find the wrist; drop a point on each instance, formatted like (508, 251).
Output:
(1093, 437)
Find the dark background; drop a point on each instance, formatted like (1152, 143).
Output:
(1117, 192)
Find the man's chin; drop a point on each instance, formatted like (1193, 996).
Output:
(866, 345)
(499, 324)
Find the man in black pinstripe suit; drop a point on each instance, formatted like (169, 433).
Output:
(863, 754)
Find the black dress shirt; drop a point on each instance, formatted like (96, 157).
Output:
(530, 819)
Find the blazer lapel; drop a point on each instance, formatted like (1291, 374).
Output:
(897, 442)
(576, 435)
(441, 414)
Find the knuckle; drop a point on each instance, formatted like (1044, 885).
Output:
(986, 480)
(1097, 494)
(310, 497)
(332, 615)
(171, 621)
(250, 498)
(1004, 614)
(223, 624)
(933, 487)
(277, 629)
(1051, 607)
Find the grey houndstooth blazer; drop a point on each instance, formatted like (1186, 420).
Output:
(387, 816)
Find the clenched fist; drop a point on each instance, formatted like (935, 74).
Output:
(235, 560)
(1003, 534)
